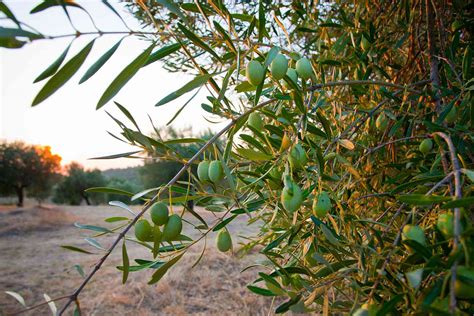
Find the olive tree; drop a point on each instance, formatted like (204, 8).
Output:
(349, 140)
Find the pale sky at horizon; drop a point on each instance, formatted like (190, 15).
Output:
(68, 121)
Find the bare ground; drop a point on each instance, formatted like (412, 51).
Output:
(32, 263)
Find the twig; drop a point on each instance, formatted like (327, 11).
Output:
(457, 216)
(39, 305)
(434, 73)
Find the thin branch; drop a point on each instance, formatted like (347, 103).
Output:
(434, 72)
(39, 305)
(457, 216)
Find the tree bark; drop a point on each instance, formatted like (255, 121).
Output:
(86, 198)
(19, 192)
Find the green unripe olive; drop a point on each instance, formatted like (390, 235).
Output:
(216, 172)
(415, 233)
(173, 228)
(425, 146)
(203, 171)
(255, 72)
(321, 205)
(293, 75)
(304, 68)
(159, 213)
(255, 121)
(381, 122)
(463, 287)
(223, 241)
(291, 196)
(445, 225)
(143, 230)
(297, 157)
(279, 67)
(452, 114)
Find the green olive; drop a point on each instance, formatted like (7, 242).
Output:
(203, 171)
(223, 240)
(464, 288)
(321, 205)
(425, 146)
(143, 230)
(255, 72)
(279, 67)
(216, 172)
(173, 228)
(159, 213)
(304, 68)
(255, 121)
(297, 157)
(291, 196)
(415, 233)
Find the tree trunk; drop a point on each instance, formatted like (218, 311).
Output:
(19, 193)
(86, 198)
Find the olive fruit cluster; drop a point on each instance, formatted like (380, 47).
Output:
(159, 212)
(210, 171)
(223, 240)
(279, 67)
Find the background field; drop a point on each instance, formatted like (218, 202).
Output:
(32, 263)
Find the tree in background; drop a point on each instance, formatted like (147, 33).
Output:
(349, 136)
(71, 189)
(125, 185)
(29, 167)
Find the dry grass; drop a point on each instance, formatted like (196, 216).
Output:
(32, 263)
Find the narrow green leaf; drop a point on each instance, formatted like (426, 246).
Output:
(271, 55)
(93, 228)
(100, 62)
(94, 243)
(127, 154)
(171, 6)
(114, 219)
(464, 202)
(63, 74)
(13, 32)
(9, 14)
(190, 86)
(196, 40)
(163, 269)
(162, 53)
(125, 263)
(421, 199)
(46, 4)
(77, 249)
(79, 270)
(108, 190)
(51, 70)
(260, 291)
(224, 223)
(124, 76)
(261, 21)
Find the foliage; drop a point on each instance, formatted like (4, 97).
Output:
(71, 189)
(382, 77)
(29, 167)
(121, 184)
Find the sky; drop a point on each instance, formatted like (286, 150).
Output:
(67, 121)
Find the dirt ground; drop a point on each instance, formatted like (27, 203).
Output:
(32, 263)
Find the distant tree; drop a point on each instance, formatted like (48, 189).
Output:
(71, 190)
(29, 167)
(122, 184)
